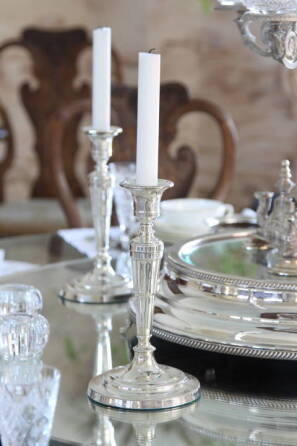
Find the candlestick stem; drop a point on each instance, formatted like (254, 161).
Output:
(101, 184)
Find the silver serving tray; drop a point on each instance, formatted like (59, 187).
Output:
(217, 296)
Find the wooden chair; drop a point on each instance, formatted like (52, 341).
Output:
(174, 104)
(55, 56)
(6, 148)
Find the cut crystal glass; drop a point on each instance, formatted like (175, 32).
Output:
(22, 336)
(18, 298)
(27, 408)
(271, 6)
(20, 373)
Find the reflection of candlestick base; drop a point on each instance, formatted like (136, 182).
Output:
(94, 288)
(144, 423)
(131, 388)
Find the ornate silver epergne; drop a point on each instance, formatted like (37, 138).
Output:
(143, 384)
(102, 284)
(277, 36)
(276, 24)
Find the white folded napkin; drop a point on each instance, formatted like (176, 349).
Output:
(83, 239)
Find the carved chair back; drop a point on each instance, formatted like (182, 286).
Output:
(6, 148)
(56, 57)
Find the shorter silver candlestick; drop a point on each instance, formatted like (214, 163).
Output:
(102, 284)
(143, 384)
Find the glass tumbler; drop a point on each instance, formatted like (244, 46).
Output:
(28, 397)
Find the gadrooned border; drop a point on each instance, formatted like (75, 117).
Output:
(229, 349)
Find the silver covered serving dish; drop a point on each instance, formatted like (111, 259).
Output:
(217, 295)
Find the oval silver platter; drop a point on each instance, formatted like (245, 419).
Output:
(215, 295)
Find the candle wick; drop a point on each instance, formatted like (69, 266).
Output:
(151, 50)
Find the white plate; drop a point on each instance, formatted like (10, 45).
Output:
(186, 218)
(170, 233)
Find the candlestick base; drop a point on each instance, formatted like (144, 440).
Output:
(96, 288)
(131, 388)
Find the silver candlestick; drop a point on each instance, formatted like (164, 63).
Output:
(143, 384)
(102, 284)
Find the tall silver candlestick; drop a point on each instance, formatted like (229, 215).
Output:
(102, 284)
(143, 384)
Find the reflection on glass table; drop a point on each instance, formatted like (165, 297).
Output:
(39, 249)
(226, 403)
(53, 248)
(144, 423)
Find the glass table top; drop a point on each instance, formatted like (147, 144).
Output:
(38, 249)
(244, 400)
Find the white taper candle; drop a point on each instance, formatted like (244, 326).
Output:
(148, 109)
(101, 79)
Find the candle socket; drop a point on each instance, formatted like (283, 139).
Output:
(144, 384)
(102, 284)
